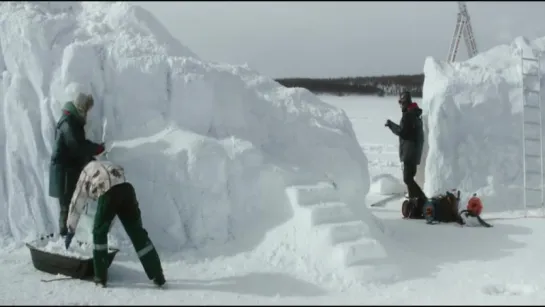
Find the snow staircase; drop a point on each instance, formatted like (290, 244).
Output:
(344, 232)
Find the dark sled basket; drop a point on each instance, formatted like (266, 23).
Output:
(61, 264)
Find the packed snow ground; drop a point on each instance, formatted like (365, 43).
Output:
(253, 193)
(458, 266)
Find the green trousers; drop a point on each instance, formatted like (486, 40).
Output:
(121, 200)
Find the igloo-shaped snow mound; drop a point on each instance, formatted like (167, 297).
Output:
(473, 109)
(208, 147)
(386, 184)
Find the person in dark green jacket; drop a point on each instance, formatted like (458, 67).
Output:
(71, 152)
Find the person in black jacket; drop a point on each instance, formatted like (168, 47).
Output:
(71, 152)
(411, 142)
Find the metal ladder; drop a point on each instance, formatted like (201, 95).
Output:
(463, 28)
(531, 102)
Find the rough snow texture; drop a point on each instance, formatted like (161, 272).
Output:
(474, 124)
(386, 184)
(439, 265)
(56, 245)
(208, 147)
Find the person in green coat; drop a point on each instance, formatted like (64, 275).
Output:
(71, 152)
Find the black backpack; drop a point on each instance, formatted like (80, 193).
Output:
(440, 208)
(443, 208)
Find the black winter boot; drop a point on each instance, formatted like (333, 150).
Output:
(159, 280)
(63, 231)
(100, 282)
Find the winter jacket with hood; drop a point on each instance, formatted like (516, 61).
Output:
(71, 151)
(411, 134)
(97, 178)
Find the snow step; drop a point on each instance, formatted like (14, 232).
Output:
(533, 189)
(358, 252)
(329, 213)
(349, 231)
(381, 272)
(316, 194)
(530, 75)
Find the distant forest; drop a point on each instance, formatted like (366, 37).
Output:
(379, 86)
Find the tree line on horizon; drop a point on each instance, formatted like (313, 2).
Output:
(377, 85)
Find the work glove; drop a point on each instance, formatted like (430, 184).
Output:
(68, 238)
(388, 123)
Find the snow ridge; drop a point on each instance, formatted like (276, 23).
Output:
(209, 147)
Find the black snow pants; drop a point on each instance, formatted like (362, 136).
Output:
(414, 190)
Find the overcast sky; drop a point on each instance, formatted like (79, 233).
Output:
(331, 39)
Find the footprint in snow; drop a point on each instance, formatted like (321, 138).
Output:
(509, 289)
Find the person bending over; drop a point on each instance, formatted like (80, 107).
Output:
(105, 182)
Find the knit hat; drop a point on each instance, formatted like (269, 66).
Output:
(405, 97)
(83, 104)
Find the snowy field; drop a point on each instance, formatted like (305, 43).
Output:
(254, 193)
(459, 265)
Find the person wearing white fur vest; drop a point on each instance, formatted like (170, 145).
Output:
(105, 182)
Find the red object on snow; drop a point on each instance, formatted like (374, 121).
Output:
(474, 205)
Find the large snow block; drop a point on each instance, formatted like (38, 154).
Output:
(474, 123)
(386, 184)
(68, 264)
(208, 147)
